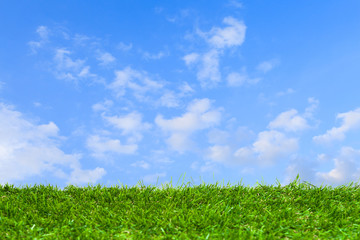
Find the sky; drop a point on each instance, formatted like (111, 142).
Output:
(159, 92)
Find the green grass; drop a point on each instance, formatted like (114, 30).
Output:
(294, 211)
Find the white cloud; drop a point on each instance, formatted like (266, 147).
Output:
(79, 39)
(199, 105)
(124, 47)
(105, 58)
(219, 153)
(63, 65)
(301, 166)
(288, 91)
(85, 72)
(346, 168)
(233, 35)
(273, 144)
(309, 111)
(208, 63)
(102, 106)
(322, 157)
(127, 77)
(289, 121)
(208, 67)
(141, 164)
(217, 136)
(266, 66)
(180, 142)
(185, 89)
(350, 121)
(65, 62)
(149, 56)
(69, 69)
(269, 146)
(209, 74)
(48, 129)
(28, 150)
(244, 134)
(152, 179)
(99, 146)
(169, 99)
(86, 176)
(180, 15)
(130, 124)
(235, 4)
(199, 116)
(237, 79)
(244, 154)
(43, 33)
(191, 58)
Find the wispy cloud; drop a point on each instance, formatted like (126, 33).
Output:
(181, 15)
(105, 58)
(141, 164)
(124, 47)
(309, 111)
(102, 106)
(218, 153)
(81, 176)
(288, 91)
(169, 99)
(43, 33)
(233, 35)
(208, 67)
(130, 124)
(100, 146)
(185, 89)
(156, 56)
(266, 66)
(237, 79)
(68, 69)
(236, 4)
(289, 121)
(199, 116)
(269, 146)
(191, 58)
(209, 73)
(218, 39)
(139, 82)
(350, 121)
(66, 63)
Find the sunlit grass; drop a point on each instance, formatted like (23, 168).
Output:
(294, 211)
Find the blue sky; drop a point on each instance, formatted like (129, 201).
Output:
(233, 92)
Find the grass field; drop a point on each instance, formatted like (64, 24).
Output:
(295, 211)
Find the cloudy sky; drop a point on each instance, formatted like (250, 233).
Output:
(233, 92)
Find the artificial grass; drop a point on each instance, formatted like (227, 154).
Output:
(295, 211)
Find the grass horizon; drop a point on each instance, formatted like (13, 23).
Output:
(166, 184)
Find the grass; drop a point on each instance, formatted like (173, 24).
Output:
(294, 211)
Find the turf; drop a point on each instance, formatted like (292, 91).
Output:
(295, 211)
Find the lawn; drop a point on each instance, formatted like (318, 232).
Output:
(295, 211)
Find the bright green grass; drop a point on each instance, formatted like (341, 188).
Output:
(295, 211)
